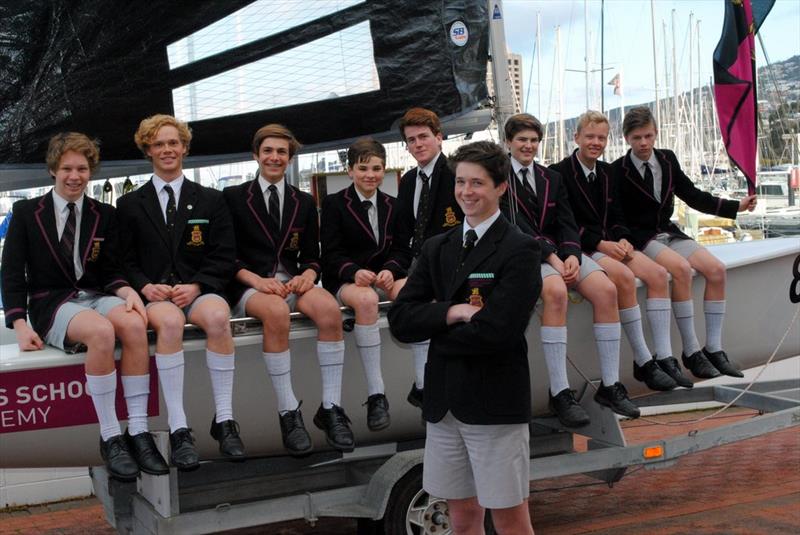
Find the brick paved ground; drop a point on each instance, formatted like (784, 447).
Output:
(751, 487)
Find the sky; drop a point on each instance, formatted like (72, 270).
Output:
(628, 47)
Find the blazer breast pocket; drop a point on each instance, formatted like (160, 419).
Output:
(96, 249)
(293, 241)
(479, 287)
(195, 235)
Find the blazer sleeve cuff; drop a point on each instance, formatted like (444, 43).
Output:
(13, 314)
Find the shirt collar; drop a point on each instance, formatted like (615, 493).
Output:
(482, 227)
(653, 161)
(428, 169)
(264, 184)
(517, 166)
(176, 184)
(586, 170)
(60, 203)
(373, 199)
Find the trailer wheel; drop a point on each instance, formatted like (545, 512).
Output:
(412, 511)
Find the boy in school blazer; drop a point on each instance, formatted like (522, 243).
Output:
(537, 201)
(472, 294)
(426, 205)
(277, 266)
(178, 240)
(604, 238)
(648, 180)
(61, 269)
(364, 258)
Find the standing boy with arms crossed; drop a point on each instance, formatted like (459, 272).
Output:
(472, 294)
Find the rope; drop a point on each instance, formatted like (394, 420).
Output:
(724, 407)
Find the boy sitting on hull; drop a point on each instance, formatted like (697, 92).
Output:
(648, 181)
(277, 256)
(537, 201)
(179, 254)
(60, 267)
(426, 205)
(363, 258)
(472, 294)
(604, 238)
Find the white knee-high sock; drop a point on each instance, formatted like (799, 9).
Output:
(331, 363)
(170, 376)
(136, 389)
(103, 389)
(684, 317)
(715, 314)
(554, 345)
(220, 368)
(658, 316)
(368, 340)
(279, 368)
(420, 352)
(631, 319)
(607, 336)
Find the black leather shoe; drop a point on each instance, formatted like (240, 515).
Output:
(227, 434)
(415, 396)
(700, 366)
(567, 410)
(183, 453)
(143, 448)
(377, 412)
(336, 425)
(615, 397)
(293, 431)
(719, 359)
(654, 377)
(673, 369)
(119, 462)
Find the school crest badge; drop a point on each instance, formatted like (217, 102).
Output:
(294, 242)
(197, 237)
(450, 219)
(475, 298)
(95, 253)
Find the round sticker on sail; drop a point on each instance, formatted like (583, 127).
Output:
(459, 34)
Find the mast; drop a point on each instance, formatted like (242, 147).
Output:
(655, 66)
(666, 69)
(675, 110)
(539, 61)
(504, 96)
(586, 48)
(701, 141)
(560, 74)
(691, 121)
(602, 56)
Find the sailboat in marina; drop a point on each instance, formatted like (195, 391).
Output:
(42, 396)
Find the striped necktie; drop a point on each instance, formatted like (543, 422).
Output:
(68, 238)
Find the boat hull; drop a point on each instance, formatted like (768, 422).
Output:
(758, 312)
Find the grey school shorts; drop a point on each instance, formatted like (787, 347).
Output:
(683, 246)
(491, 462)
(588, 266)
(381, 294)
(187, 310)
(100, 303)
(240, 310)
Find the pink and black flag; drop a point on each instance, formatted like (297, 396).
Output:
(734, 82)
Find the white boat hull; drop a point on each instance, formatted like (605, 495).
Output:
(758, 313)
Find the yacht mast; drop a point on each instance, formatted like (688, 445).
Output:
(675, 110)
(655, 66)
(691, 121)
(504, 96)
